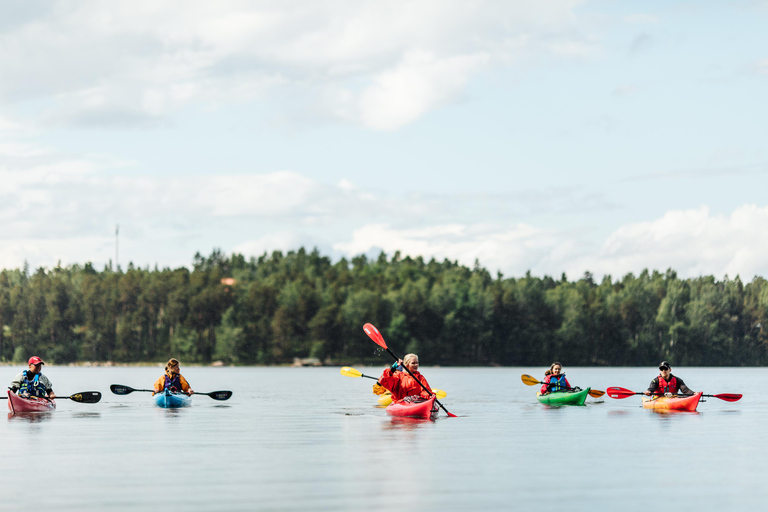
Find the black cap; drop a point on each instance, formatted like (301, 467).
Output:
(663, 365)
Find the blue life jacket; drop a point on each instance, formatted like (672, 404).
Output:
(32, 387)
(557, 383)
(173, 384)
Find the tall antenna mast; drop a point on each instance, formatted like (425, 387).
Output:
(117, 231)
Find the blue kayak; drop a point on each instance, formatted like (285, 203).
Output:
(169, 400)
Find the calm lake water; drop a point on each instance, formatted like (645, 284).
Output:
(312, 439)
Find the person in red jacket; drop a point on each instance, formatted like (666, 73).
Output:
(554, 379)
(667, 384)
(400, 383)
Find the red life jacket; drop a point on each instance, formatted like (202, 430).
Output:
(667, 387)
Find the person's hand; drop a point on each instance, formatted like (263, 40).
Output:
(647, 393)
(190, 392)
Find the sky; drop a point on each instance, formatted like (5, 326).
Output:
(553, 137)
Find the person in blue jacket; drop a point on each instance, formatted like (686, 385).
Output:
(554, 380)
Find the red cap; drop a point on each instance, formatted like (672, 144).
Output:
(35, 360)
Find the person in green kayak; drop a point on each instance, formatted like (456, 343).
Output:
(172, 379)
(31, 382)
(667, 384)
(554, 380)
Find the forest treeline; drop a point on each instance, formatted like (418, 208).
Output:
(271, 309)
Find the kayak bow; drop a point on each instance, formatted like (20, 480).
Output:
(18, 404)
(425, 408)
(169, 400)
(564, 397)
(675, 403)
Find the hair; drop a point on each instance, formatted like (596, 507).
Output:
(408, 357)
(171, 362)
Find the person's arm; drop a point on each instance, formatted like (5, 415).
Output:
(48, 386)
(653, 387)
(185, 386)
(682, 388)
(545, 387)
(16, 383)
(423, 393)
(389, 379)
(159, 384)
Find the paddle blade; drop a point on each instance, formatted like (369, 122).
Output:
(121, 390)
(596, 393)
(529, 381)
(350, 372)
(375, 335)
(218, 395)
(616, 392)
(86, 397)
(439, 393)
(729, 397)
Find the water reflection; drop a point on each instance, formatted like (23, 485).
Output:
(30, 417)
(403, 423)
(86, 415)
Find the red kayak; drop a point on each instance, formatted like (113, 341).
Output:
(675, 403)
(414, 408)
(32, 404)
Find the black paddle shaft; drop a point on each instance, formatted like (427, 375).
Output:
(429, 391)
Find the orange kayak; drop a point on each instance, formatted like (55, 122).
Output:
(675, 403)
(32, 404)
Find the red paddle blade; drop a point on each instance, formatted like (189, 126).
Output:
(616, 392)
(729, 397)
(375, 335)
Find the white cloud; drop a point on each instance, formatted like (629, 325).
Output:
(691, 242)
(381, 65)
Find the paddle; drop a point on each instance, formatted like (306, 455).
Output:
(351, 372)
(84, 397)
(531, 381)
(377, 338)
(616, 392)
(126, 390)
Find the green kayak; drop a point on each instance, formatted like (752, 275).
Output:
(564, 397)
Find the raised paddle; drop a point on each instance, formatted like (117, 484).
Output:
(531, 381)
(84, 397)
(616, 392)
(351, 372)
(377, 338)
(119, 389)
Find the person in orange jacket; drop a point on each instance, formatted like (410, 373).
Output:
(400, 383)
(173, 380)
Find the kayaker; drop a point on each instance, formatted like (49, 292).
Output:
(173, 379)
(667, 384)
(400, 383)
(31, 382)
(554, 379)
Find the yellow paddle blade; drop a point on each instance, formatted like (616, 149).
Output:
(439, 393)
(596, 393)
(529, 381)
(350, 372)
